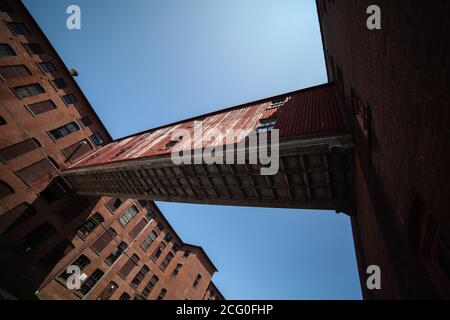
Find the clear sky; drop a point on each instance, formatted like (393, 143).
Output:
(144, 63)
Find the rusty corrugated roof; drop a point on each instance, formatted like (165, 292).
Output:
(309, 111)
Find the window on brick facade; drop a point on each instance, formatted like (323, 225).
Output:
(64, 130)
(175, 247)
(168, 237)
(47, 67)
(186, 253)
(176, 270)
(124, 296)
(69, 99)
(107, 293)
(90, 225)
(57, 189)
(158, 251)
(2, 121)
(150, 215)
(128, 215)
(162, 293)
(140, 276)
(104, 240)
(150, 285)
(17, 71)
(56, 254)
(18, 28)
(5, 189)
(160, 227)
(6, 50)
(20, 215)
(41, 107)
(97, 139)
(138, 228)
(148, 241)
(129, 266)
(166, 261)
(197, 281)
(82, 262)
(116, 253)
(86, 121)
(19, 149)
(59, 83)
(34, 48)
(114, 204)
(28, 90)
(90, 282)
(38, 170)
(36, 237)
(77, 150)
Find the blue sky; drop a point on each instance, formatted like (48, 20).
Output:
(144, 63)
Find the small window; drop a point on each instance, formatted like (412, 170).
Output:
(97, 139)
(124, 296)
(176, 270)
(47, 67)
(129, 266)
(19, 149)
(2, 121)
(140, 276)
(148, 241)
(41, 107)
(5, 189)
(149, 287)
(103, 240)
(166, 261)
(186, 253)
(12, 72)
(162, 294)
(160, 226)
(82, 262)
(18, 28)
(168, 237)
(64, 130)
(276, 103)
(6, 50)
(197, 280)
(158, 251)
(76, 150)
(266, 125)
(149, 215)
(114, 204)
(59, 83)
(117, 252)
(90, 225)
(90, 283)
(128, 215)
(69, 99)
(86, 121)
(28, 90)
(108, 291)
(175, 247)
(34, 48)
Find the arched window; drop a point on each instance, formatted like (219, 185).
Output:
(5, 189)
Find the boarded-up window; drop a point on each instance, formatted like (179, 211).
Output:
(129, 266)
(77, 150)
(59, 83)
(56, 254)
(16, 217)
(108, 291)
(104, 240)
(34, 48)
(5, 189)
(11, 72)
(36, 171)
(18, 149)
(41, 107)
(138, 228)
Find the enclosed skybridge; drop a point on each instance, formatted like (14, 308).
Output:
(213, 158)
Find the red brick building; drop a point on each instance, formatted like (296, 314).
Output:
(124, 247)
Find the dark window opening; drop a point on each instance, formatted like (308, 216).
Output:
(34, 48)
(18, 28)
(5, 189)
(64, 130)
(36, 237)
(176, 270)
(140, 276)
(124, 296)
(90, 225)
(197, 281)
(90, 283)
(97, 139)
(149, 287)
(28, 90)
(47, 67)
(148, 241)
(117, 252)
(162, 294)
(59, 83)
(266, 125)
(6, 50)
(69, 99)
